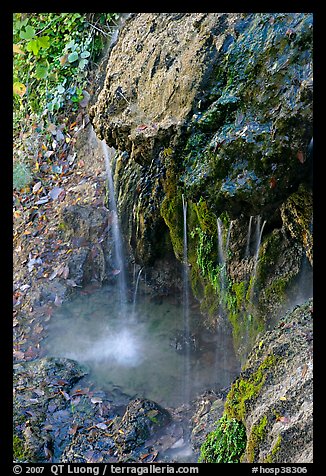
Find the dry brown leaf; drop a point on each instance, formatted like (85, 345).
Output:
(304, 370)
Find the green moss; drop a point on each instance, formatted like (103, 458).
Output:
(257, 434)
(19, 449)
(225, 444)
(297, 218)
(171, 211)
(270, 458)
(276, 290)
(246, 388)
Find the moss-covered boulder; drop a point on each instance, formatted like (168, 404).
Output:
(273, 396)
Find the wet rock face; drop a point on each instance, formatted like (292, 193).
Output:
(154, 77)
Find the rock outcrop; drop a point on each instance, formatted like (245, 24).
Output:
(273, 396)
(216, 107)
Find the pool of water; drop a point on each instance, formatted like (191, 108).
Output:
(139, 353)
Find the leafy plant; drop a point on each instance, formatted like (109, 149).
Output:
(22, 175)
(52, 53)
(226, 443)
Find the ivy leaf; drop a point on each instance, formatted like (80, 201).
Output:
(85, 54)
(19, 88)
(73, 57)
(82, 63)
(44, 41)
(41, 71)
(28, 33)
(33, 46)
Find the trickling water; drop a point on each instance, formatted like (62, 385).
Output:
(221, 257)
(228, 241)
(259, 233)
(186, 324)
(118, 251)
(135, 294)
(248, 237)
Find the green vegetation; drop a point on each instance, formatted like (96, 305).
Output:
(52, 54)
(246, 388)
(270, 458)
(257, 434)
(225, 444)
(20, 453)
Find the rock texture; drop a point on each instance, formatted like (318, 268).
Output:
(273, 395)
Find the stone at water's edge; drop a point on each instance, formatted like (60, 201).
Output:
(140, 420)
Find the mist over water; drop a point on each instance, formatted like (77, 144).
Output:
(139, 359)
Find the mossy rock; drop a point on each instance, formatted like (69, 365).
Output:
(247, 388)
(297, 213)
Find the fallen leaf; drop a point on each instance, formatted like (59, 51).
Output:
(283, 419)
(53, 275)
(115, 272)
(65, 272)
(148, 457)
(71, 283)
(55, 192)
(18, 354)
(65, 395)
(24, 287)
(301, 157)
(42, 201)
(37, 187)
(283, 398)
(73, 429)
(304, 370)
(61, 382)
(17, 49)
(19, 89)
(96, 400)
(101, 426)
(272, 183)
(63, 59)
(57, 301)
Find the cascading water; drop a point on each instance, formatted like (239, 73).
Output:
(223, 253)
(220, 355)
(135, 294)
(186, 323)
(116, 234)
(259, 233)
(248, 237)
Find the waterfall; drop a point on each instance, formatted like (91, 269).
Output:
(223, 252)
(135, 294)
(259, 233)
(186, 324)
(248, 237)
(119, 260)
